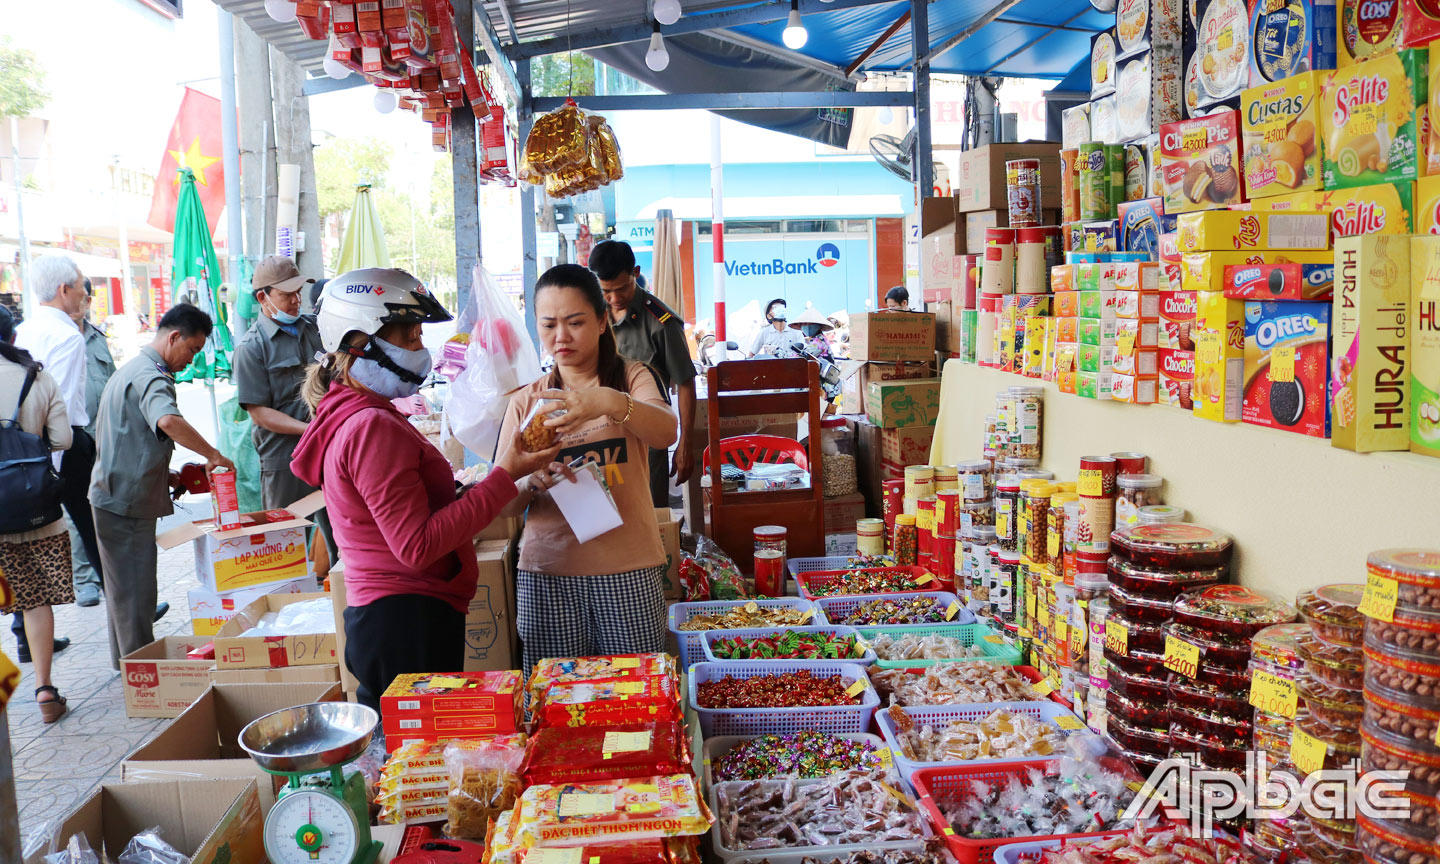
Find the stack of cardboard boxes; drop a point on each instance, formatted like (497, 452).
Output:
(437, 707)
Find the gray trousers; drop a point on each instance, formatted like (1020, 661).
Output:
(84, 574)
(128, 558)
(282, 488)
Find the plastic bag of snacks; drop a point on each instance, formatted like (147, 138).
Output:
(587, 754)
(710, 574)
(609, 703)
(484, 781)
(672, 850)
(633, 809)
(620, 667)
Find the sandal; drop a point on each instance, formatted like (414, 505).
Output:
(53, 709)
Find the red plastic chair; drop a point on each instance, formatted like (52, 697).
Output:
(742, 451)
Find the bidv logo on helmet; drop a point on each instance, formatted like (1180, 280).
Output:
(377, 290)
(828, 254)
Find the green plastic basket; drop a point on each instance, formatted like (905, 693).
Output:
(998, 653)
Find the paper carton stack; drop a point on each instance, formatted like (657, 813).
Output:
(437, 707)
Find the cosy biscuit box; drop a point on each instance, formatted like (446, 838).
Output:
(1287, 367)
(1369, 373)
(1372, 116)
(1368, 29)
(1425, 345)
(1280, 124)
(1200, 163)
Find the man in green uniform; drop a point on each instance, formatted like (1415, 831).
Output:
(135, 436)
(99, 366)
(270, 365)
(648, 331)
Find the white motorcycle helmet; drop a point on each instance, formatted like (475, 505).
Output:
(366, 300)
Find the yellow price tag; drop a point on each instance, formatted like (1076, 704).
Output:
(1117, 638)
(1125, 342)
(1207, 347)
(1273, 693)
(925, 520)
(448, 682)
(1091, 483)
(1052, 545)
(952, 610)
(1043, 687)
(1030, 605)
(1077, 641)
(1069, 722)
(1043, 616)
(995, 640)
(625, 663)
(1437, 735)
(587, 803)
(924, 579)
(1307, 751)
(624, 742)
(573, 855)
(1002, 521)
(807, 615)
(1381, 594)
(629, 688)
(1282, 364)
(940, 511)
(885, 758)
(1182, 657)
(1024, 632)
(856, 689)
(1062, 631)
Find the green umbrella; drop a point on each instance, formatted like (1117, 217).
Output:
(364, 243)
(194, 279)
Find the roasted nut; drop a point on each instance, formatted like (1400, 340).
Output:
(1394, 638)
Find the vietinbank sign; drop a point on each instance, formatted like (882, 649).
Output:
(828, 255)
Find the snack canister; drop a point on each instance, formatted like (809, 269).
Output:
(1030, 271)
(987, 320)
(1022, 190)
(225, 498)
(925, 527)
(903, 540)
(997, 272)
(1131, 462)
(944, 557)
(1094, 182)
(870, 537)
(919, 483)
(894, 501)
(947, 512)
(1097, 476)
(946, 477)
(770, 573)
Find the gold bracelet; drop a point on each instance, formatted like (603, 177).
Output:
(629, 409)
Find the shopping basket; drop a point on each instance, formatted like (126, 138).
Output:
(692, 642)
(996, 650)
(941, 716)
(837, 609)
(717, 747)
(951, 785)
(812, 580)
(1029, 673)
(833, 630)
(782, 721)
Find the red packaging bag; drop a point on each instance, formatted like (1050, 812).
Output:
(559, 755)
(610, 703)
(671, 850)
(622, 667)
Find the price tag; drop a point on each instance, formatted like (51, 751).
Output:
(624, 742)
(1125, 342)
(581, 804)
(1002, 521)
(1117, 637)
(861, 646)
(1077, 641)
(924, 579)
(1062, 631)
(1437, 735)
(1207, 347)
(1030, 606)
(1182, 657)
(1282, 364)
(807, 615)
(1069, 722)
(1043, 687)
(1307, 751)
(572, 855)
(1273, 693)
(625, 663)
(855, 689)
(448, 682)
(940, 511)
(952, 610)
(1381, 593)
(1024, 632)
(1043, 616)
(885, 758)
(998, 641)
(1091, 483)
(1052, 545)
(629, 688)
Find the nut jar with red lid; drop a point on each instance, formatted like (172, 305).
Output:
(1412, 633)
(1173, 546)
(1231, 610)
(1416, 573)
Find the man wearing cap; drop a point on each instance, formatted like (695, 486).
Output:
(270, 365)
(646, 330)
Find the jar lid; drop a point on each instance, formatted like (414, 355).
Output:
(904, 518)
(1333, 604)
(974, 466)
(1412, 566)
(869, 525)
(1042, 489)
(983, 533)
(1180, 539)
(836, 422)
(919, 471)
(945, 471)
(1035, 474)
(1008, 481)
(1279, 644)
(1160, 514)
(1058, 498)
(926, 501)
(771, 531)
(1226, 604)
(1068, 486)
(1030, 235)
(1010, 556)
(1139, 481)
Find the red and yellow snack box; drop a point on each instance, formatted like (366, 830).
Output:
(1427, 201)
(1287, 367)
(1177, 320)
(459, 694)
(1219, 336)
(1283, 281)
(1200, 162)
(1067, 382)
(1218, 230)
(1280, 124)
(1170, 262)
(1177, 378)
(1137, 276)
(1205, 271)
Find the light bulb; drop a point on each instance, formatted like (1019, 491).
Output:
(657, 58)
(334, 68)
(795, 34)
(886, 115)
(281, 10)
(667, 12)
(384, 101)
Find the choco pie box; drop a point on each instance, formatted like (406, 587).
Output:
(1287, 366)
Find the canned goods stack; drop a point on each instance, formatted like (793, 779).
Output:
(925, 532)
(1401, 680)
(919, 483)
(948, 504)
(893, 503)
(1092, 590)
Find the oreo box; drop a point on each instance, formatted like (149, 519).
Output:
(1141, 224)
(1287, 281)
(1287, 367)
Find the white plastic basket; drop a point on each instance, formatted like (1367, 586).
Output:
(840, 719)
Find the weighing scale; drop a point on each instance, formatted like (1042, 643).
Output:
(320, 817)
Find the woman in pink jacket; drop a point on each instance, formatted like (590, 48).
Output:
(405, 534)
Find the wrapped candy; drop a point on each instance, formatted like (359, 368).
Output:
(748, 617)
(558, 140)
(631, 809)
(1169, 845)
(565, 755)
(850, 808)
(912, 647)
(609, 703)
(954, 684)
(801, 755)
(1003, 734)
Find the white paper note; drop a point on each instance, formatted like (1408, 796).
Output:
(585, 504)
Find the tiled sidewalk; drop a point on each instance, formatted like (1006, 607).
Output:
(56, 766)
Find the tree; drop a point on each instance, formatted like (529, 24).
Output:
(22, 82)
(343, 163)
(551, 75)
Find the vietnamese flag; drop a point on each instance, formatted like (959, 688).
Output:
(195, 144)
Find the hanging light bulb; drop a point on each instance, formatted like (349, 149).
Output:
(281, 10)
(667, 12)
(795, 34)
(657, 58)
(886, 115)
(384, 101)
(334, 68)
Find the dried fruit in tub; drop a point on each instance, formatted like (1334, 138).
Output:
(570, 814)
(619, 667)
(954, 684)
(610, 703)
(1003, 734)
(909, 646)
(1333, 611)
(790, 645)
(802, 755)
(784, 690)
(1231, 610)
(850, 808)
(1073, 795)
(1170, 845)
(750, 616)
(560, 755)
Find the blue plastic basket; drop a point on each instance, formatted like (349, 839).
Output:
(840, 719)
(836, 609)
(717, 747)
(999, 653)
(713, 636)
(692, 642)
(796, 566)
(944, 715)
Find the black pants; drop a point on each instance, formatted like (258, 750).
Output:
(399, 634)
(75, 468)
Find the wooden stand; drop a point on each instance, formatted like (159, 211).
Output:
(750, 387)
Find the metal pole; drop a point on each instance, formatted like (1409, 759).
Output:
(465, 181)
(924, 147)
(717, 230)
(122, 229)
(230, 151)
(27, 297)
(529, 271)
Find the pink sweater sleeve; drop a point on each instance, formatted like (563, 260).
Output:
(392, 488)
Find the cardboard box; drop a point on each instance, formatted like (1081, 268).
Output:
(670, 540)
(1220, 230)
(204, 740)
(502, 528)
(1141, 224)
(160, 680)
(980, 181)
(329, 674)
(1219, 336)
(491, 640)
(1372, 117)
(1287, 367)
(348, 682)
(1205, 271)
(1285, 42)
(893, 336)
(1280, 125)
(1177, 378)
(233, 651)
(1425, 345)
(270, 547)
(841, 544)
(1385, 208)
(1200, 161)
(209, 610)
(842, 511)
(946, 335)
(1146, 25)
(1369, 317)
(1283, 281)
(909, 445)
(856, 376)
(212, 821)
(893, 404)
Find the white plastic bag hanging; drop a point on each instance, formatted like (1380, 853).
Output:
(501, 357)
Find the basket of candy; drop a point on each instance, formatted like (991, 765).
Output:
(690, 621)
(746, 697)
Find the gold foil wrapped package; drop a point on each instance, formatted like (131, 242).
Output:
(558, 141)
(609, 149)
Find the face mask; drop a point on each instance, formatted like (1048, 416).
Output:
(282, 317)
(385, 382)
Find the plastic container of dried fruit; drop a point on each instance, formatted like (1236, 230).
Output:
(1336, 666)
(944, 715)
(1229, 652)
(782, 721)
(833, 630)
(978, 634)
(1414, 626)
(1139, 607)
(836, 609)
(1176, 546)
(692, 642)
(1378, 750)
(1155, 582)
(719, 745)
(1139, 686)
(1136, 712)
(1231, 610)
(1333, 613)
(1139, 738)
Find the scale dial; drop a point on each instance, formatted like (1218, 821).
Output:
(309, 826)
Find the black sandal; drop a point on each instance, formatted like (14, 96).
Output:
(52, 709)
